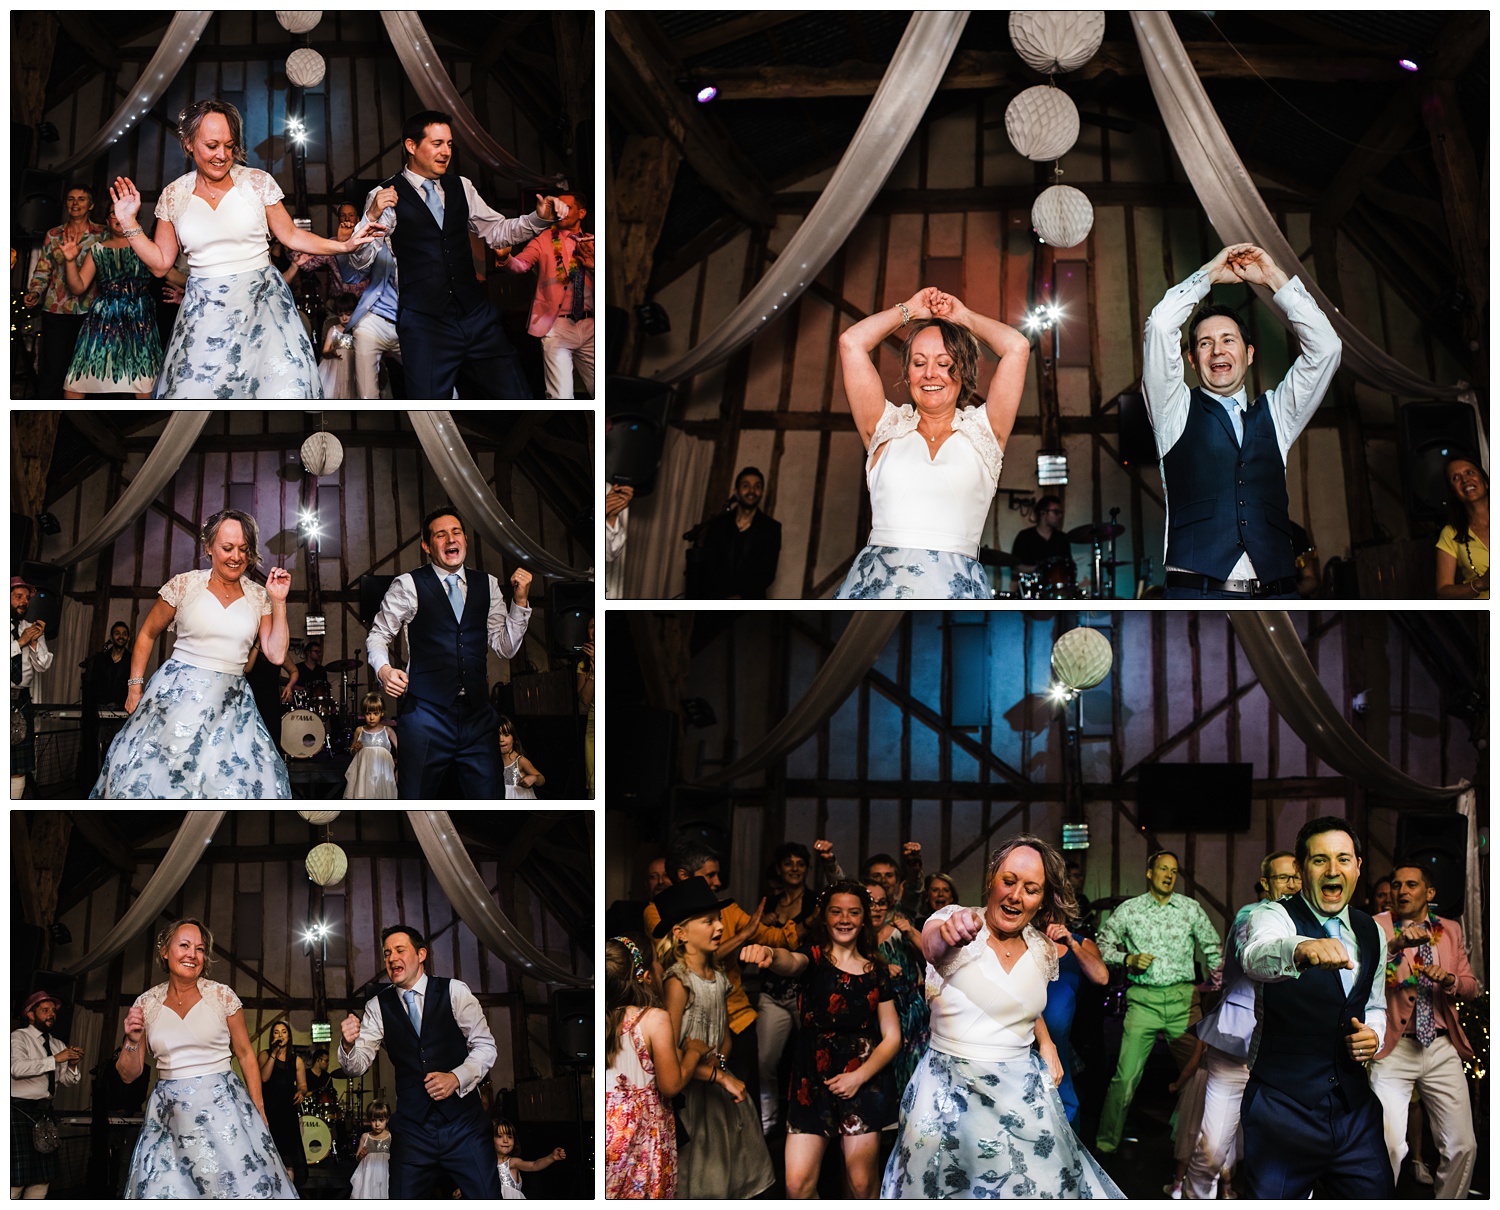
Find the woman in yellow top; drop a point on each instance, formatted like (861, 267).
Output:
(1463, 558)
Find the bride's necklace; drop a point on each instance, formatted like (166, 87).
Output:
(221, 589)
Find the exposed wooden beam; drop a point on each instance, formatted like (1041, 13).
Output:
(1022, 197)
(94, 827)
(990, 70)
(1275, 788)
(93, 41)
(730, 31)
(645, 81)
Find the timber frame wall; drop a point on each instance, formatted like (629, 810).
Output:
(956, 212)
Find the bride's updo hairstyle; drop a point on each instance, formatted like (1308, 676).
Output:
(247, 527)
(192, 117)
(164, 940)
(1059, 905)
(961, 346)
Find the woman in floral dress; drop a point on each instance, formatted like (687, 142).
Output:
(118, 349)
(848, 1035)
(901, 951)
(981, 1117)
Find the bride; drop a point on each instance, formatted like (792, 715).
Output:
(931, 465)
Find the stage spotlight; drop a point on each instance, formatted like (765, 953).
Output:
(48, 524)
(47, 132)
(1061, 694)
(1406, 65)
(653, 319)
(706, 94)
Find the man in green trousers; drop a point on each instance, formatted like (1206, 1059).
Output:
(1152, 937)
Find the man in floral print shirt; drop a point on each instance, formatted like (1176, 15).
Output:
(1152, 936)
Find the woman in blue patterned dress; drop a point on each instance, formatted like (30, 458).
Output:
(118, 348)
(981, 1117)
(239, 334)
(194, 731)
(205, 1133)
(900, 949)
(931, 465)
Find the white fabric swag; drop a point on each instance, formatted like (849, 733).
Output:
(163, 462)
(655, 555)
(1235, 208)
(467, 490)
(1270, 642)
(150, 86)
(851, 659)
(894, 114)
(424, 67)
(193, 836)
(470, 898)
(1468, 806)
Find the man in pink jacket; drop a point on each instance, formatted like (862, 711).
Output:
(563, 312)
(1427, 973)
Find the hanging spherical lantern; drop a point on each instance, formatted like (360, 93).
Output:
(1042, 123)
(1051, 42)
(322, 454)
(319, 817)
(1081, 658)
(305, 67)
(327, 864)
(1062, 216)
(297, 20)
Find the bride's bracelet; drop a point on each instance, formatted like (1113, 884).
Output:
(905, 314)
(131, 232)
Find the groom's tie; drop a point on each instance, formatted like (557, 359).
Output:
(411, 1009)
(455, 596)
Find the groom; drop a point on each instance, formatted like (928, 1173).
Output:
(450, 617)
(441, 1047)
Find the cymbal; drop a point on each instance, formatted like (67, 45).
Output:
(992, 557)
(350, 665)
(338, 1073)
(1086, 535)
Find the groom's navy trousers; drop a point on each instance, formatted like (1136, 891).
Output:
(433, 738)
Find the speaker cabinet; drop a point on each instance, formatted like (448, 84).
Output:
(1427, 433)
(1438, 843)
(372, 590)
(635, 429)
(570, 609)
(573, 1026)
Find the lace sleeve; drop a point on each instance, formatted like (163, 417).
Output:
(957, 959)
(260, 599)
(974, 424)
(222, 997)
(174, 198)
(262, 186)
(180, 588)
(1044, 950)
(150, 1002)
(894, 422)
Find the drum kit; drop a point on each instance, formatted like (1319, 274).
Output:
(1056, 579)
(330, 1125)
(319, 723)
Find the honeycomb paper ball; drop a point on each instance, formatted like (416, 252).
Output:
(327, 864)
(1042, 123)
(1081, 658)
(1062, 216)
(297, 20)
(322, 454)
(319, 816)
(305, 67)
(1051, 42)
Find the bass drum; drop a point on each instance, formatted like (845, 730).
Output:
(317, 1139)
(302, 734)
(327, 1105)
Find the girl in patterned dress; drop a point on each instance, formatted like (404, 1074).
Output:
(511, 1167)
(372, 772)
(848, 1035)
(643, 1070)
(118, 348)
(239, 334)
(372, 1178)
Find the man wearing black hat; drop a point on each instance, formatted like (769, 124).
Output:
(38, 1063)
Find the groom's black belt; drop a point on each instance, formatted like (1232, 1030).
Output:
(1246, 588)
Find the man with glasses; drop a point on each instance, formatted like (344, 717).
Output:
(1152, 936)
(1045, 540)
(1224, 1037)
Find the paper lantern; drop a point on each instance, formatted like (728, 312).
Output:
(322, 454)
(1081, 658)
(297, 20)
(327, 865)
(305, 67)
(1051, 42)
(1042, 123)
(319, 816)
(1062, 216)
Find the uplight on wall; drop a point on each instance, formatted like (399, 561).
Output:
(1052, 470)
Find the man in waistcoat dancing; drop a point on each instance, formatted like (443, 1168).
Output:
(440, 1045)
(1223, 454)
(449, 332)
(1309, 1115)
(450, 616)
